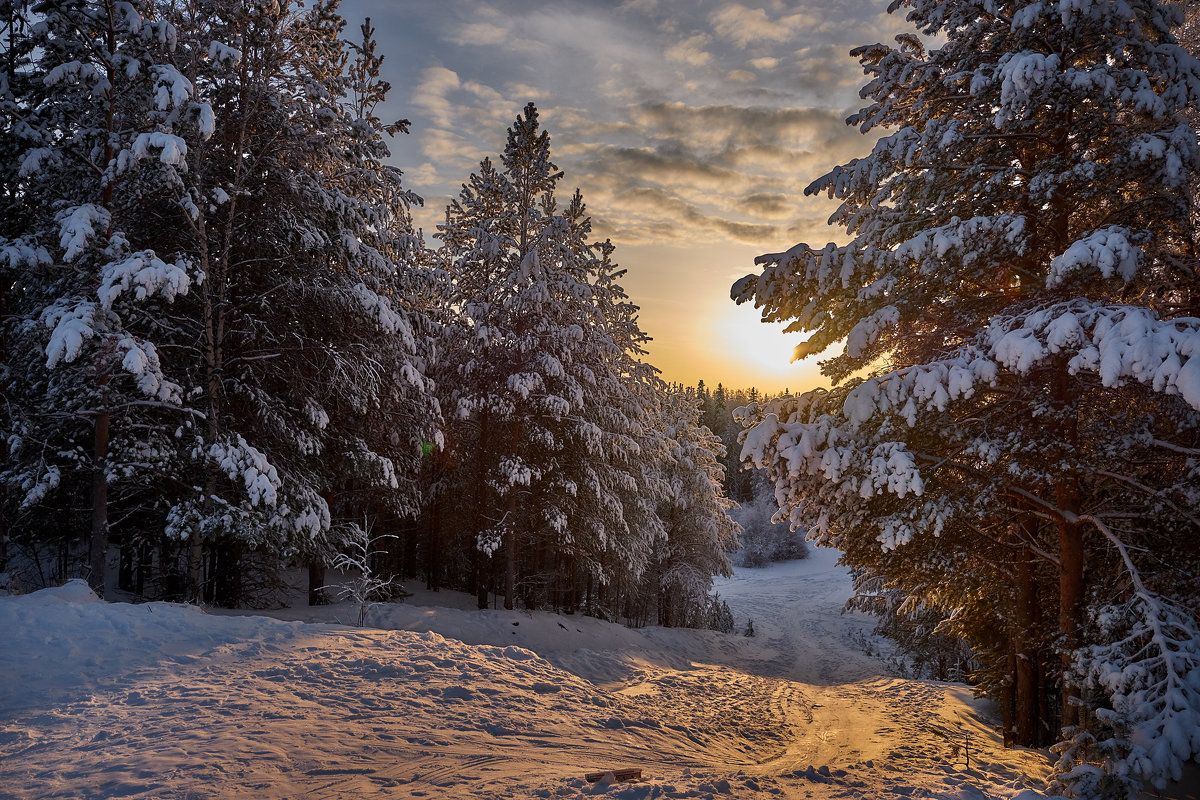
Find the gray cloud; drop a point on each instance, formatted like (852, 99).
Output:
(690, 122)
(692, 126)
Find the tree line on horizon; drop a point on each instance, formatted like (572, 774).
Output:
(226, 350)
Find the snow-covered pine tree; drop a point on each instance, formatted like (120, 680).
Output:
(699, 533)
(1020, 288)
(547, 376)
(97, 113)
(299, 342)
(308, 353)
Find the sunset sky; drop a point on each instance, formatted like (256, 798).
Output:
(691, 126)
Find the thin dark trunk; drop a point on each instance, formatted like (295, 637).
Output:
(144, 562)
(433, 544)
(98, 544)
(480, 486)
(125, 566)
(227, 573)
(510, 528)
(3, 534)
(1070, 608)
(510, 553)
(174, 585)
(5, 292)
(1068, 496)
(481, 588)
(1047, 726)
(1027, 655)
(1008, 697)
(410, 533)
(316, 583)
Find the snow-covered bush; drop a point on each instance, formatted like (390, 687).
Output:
(763, 540)
(363, 587)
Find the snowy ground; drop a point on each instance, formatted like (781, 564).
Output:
(162, 701)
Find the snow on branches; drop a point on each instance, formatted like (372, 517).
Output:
(1148, 666)
(1017, 308)
(1114, 343)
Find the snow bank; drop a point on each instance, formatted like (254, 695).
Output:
(65, 644)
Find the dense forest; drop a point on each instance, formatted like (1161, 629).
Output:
(226, 350)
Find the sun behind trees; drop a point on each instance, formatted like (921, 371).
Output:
(226, 350)
(1022, 289)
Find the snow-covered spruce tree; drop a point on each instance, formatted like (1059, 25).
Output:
(1020, 287)
(303, 343)
(693, 507)
(544, 379)
(296, 344)
(96, 113)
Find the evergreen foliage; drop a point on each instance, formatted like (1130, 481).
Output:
(216, 294)
(1020, 291)
(592, 487)
(226, 345)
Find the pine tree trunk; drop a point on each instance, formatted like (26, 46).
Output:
(1070, 609)
(481, 566)
(98, 544)
(125, 566)
(5, 291)
(1026, 667)
(3, 533)
(316, 583)
(1008, 696)
(213, 324)
(1070, 549)
(510, 528)
(194, 588)
(144, 562)
(227, 572)
(433, 544)
(510, 554)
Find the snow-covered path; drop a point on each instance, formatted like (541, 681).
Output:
(161, 701)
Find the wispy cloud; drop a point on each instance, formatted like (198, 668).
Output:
(745, 26)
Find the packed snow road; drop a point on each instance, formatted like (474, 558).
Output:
(161, 701)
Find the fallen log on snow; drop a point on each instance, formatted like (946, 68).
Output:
(618, 776)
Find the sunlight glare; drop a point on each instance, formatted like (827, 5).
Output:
(764, 349)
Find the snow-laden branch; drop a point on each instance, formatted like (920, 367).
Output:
(1151, 674)
(1115, 342)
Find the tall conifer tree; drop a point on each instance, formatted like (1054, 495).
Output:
(1021, 287)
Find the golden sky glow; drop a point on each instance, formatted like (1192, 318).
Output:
(691, 126)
